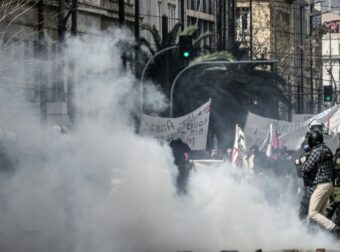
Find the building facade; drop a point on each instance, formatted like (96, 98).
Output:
(34, 31)
(203, 14)
(287, 33)
(152, 11)
(331, 52)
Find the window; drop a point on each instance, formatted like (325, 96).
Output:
(160, 16)
(210, 7)
(242, 16)
(171, 15)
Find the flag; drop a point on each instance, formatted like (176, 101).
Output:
(275, 140)
(265, 141)
(269, 146)
(271, 141)
(316, 21)
(239, 147)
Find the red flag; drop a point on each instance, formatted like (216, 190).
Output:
(275, 140)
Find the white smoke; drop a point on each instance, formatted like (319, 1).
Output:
(105, 188)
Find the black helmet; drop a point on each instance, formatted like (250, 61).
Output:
(315, 138)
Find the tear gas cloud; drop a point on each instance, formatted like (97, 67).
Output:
(102, 187)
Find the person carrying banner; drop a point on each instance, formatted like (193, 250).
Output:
(319, 168)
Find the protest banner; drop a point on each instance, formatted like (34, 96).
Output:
(293, 139)
(291, 134)
(192, 128)
(257, 127)
(301, 117)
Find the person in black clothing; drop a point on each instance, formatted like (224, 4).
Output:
(333, 208)
(181, 152)
(261, 161)
(319, 169)
(307, 184)
(314, 125)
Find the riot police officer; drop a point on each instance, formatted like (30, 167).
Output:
(319, 169)
(314, 125)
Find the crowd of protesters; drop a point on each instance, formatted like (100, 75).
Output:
(314, 175)
(311, 175)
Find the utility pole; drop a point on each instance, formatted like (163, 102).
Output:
(275, 35)
(60, 94)
(231, 25)
(311, 77)
(137, 16)
(137, 36)
(121, 19)
(224, 25)
(182, 15)
(165, 44)
(74, 27)
(42, 56)
(71, 83)
(251, 28)
(121, 13)
(301, 84)
(219, 26)
(61, 25)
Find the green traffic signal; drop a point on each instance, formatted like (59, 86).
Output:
(185, 47)
(327, 93)
(186, 54)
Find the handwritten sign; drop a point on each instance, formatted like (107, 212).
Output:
(191, 128)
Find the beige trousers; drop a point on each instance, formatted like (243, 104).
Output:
(318, 203)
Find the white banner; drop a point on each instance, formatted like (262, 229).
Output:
(290, 134)
(301, 117)
(257, 128)
(191, 128)
(293, 139)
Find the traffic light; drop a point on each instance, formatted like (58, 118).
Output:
(185, 47)
(327, 93)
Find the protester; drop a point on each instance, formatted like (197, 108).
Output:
(228, 154)
(181, 152)
(307, 185)
(333, 208)
(316, 125)
(260, 160)
(319, 168)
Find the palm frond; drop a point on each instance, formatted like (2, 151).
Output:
(223, 55)
(189, 30)
(146, 43)
(155, 34)
(201, 37)
(173, 34)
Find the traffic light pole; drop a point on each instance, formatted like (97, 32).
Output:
(152, 59)
(146, 68)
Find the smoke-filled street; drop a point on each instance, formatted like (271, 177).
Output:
(124, 128)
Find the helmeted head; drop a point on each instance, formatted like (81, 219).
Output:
(315, 137)
(317, 125)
